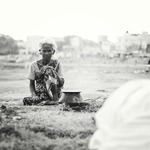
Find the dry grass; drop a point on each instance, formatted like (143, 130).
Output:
(45, 128)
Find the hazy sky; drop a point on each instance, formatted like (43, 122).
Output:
(85, 18)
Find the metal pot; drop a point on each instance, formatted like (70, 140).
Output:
(70, 96)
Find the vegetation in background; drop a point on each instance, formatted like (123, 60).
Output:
(8, 45)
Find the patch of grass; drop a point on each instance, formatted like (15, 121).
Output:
(57, 120)
(46, 128)
(14, 138)
(73, 144)
(7, 112)
(94, 106)
(20, 138)
(7, 132)
(58, 133)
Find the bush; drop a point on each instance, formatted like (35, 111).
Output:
(8, 45)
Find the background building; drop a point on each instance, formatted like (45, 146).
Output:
(136, 43)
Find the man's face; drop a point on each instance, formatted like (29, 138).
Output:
(47, 51)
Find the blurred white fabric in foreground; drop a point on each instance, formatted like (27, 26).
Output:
(123, 123)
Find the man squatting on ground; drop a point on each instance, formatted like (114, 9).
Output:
(45, 75)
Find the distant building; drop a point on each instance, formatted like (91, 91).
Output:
(75, 41)
(71, 46)
(21, 44)
(134, 42)
(22, 47)
(89, 48)
(105, 45)
(33, 43)
(102, 38)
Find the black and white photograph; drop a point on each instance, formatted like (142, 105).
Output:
(74, 75)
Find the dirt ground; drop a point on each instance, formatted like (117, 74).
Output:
(49, 127)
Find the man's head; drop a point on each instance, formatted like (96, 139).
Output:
(47, 47)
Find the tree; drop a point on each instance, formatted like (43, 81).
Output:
(8, 45)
